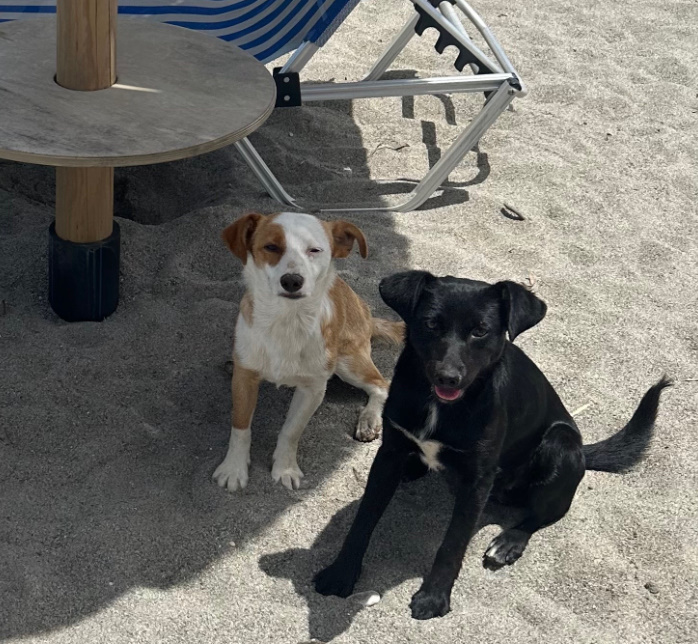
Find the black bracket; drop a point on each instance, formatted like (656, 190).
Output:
(515, 83)
(465, 57)
(288, 88)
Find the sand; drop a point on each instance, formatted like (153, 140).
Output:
(110, 527)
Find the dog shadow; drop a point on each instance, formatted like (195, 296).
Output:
(402, 548)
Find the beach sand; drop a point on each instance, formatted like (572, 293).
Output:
(111, 529)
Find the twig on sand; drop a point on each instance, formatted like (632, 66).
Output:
(512, 211)
(579, 410)
(394, 148)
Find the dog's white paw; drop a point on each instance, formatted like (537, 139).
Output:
(286, 471)
(232, 473)
(370, 424)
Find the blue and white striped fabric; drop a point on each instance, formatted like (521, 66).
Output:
(266, 29)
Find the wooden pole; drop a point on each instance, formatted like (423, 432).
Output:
(86, 44)
(85, 61)
(84, 203)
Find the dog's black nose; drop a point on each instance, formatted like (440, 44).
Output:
(448, 378)
(292, 282)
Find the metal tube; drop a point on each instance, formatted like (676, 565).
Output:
(491, 40)
(261, 170)
(393, 50)
(406, 87)
(300, 58)
(496, 104)
(446, 8)
(455, 33)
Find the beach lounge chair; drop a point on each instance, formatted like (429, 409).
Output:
(268, 29)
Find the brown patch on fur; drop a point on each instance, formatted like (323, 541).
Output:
(348, 332)
(247, 308)
(268, 234)
(238, 236)
(361, 365)
(245, 387)
(342, 234)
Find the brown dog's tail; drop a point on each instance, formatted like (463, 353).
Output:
(627, 448)
(393, 332)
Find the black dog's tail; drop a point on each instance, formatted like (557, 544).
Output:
(623, 450)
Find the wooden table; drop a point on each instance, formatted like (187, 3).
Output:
(178, 93)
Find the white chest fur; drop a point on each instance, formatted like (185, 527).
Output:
(284, 343)
(430, 449)
(430, 454)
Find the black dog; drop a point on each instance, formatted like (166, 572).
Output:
(466, 398)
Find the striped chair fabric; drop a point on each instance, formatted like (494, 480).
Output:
(266, 29)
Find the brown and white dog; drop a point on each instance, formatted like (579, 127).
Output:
(299, 324)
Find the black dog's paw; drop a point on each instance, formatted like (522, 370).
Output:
(336, 579)
(426, 604)
(505, 549)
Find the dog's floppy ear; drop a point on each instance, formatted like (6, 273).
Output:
(402, 291)
(238, 236)
(522, 308)
(342, 235)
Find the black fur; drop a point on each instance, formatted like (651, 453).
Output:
(623, 450)
(502, 429)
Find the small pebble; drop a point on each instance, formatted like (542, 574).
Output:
(368, 598)
(652, 587)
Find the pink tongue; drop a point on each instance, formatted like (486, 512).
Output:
(447, 394)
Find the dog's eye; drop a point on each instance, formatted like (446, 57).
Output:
(479, 332)
(272, 248)
(314, 251)
(431, 324)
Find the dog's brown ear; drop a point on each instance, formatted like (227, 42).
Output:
(343, 234)
(238, 236)
(522, 308)
(401, 291)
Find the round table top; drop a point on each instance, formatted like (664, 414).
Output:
(178, 93)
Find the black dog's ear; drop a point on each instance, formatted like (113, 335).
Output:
(522, 308)
(402, 291)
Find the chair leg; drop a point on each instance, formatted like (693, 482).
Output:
(261, 170)
(393, 50)
(300, 58)
(495, 105)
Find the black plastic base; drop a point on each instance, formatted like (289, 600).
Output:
(83, 279)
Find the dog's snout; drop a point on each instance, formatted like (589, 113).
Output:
(292, 282)
(448, 377)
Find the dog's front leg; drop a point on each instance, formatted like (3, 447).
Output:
(339, 578)
(232, 473)
(433, 599)
(306, 400)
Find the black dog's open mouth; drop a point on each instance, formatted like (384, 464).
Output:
(447, 394)
(292, 296)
